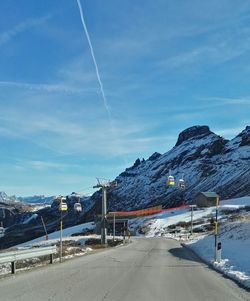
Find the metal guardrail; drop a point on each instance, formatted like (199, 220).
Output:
(14, 256)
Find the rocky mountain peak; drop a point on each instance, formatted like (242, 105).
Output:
(194, 132)
(155, 156)
(245, 136)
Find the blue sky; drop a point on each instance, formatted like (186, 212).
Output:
(164, 66)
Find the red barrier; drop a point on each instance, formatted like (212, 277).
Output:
(147, 211)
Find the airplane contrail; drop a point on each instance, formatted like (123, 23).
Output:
(93, 57)
(105, 102)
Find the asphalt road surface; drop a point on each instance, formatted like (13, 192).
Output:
(147, 269)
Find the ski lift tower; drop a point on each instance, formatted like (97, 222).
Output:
(104, 185)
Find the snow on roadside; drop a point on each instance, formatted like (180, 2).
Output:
(235, 240)
(53, 239)
(234, 235)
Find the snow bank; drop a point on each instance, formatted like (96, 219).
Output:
(234, 236)
(235, 239)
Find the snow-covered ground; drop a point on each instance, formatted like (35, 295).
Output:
(53, 239)
(235, 240)
(55, 236)
(157, 225)
(234, 234)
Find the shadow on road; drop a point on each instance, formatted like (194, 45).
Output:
(183, 253)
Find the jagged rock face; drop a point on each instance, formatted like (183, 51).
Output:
(245, 137)
(207, 162)
(194, 132)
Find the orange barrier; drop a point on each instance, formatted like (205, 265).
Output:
(143, 212)
(175, 208)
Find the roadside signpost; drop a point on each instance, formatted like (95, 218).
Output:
(218, 252)
(216, 229)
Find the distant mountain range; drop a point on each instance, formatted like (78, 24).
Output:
(4, 198)
(37, 199)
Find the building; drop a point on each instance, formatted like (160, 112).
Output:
(206, 199)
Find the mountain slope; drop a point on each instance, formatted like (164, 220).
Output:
(207, 161)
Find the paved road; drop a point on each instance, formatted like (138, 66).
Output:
(148, 269)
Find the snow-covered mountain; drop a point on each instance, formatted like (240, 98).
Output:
(4, 198)
(207, 161)
(37, 199)
(23, 223)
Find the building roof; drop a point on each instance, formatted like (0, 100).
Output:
(209, 194)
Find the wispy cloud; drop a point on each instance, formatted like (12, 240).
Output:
(65, 88)
(63, 134)
(220, 53)
(218, 101)
(21, 27)
(42, 165)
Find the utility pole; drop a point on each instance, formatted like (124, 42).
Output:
(104, 185)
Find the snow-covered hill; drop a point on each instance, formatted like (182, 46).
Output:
(4, 198)
(208, 162)
(37, 199)
(25, 224)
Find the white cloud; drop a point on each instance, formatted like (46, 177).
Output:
(21, 27)
(42, 165)
(61, 87)
(64, 134)
(218, 101)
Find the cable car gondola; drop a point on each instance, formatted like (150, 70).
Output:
(170, 181)
(63, 206)
(181, 184)
(78, 207)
